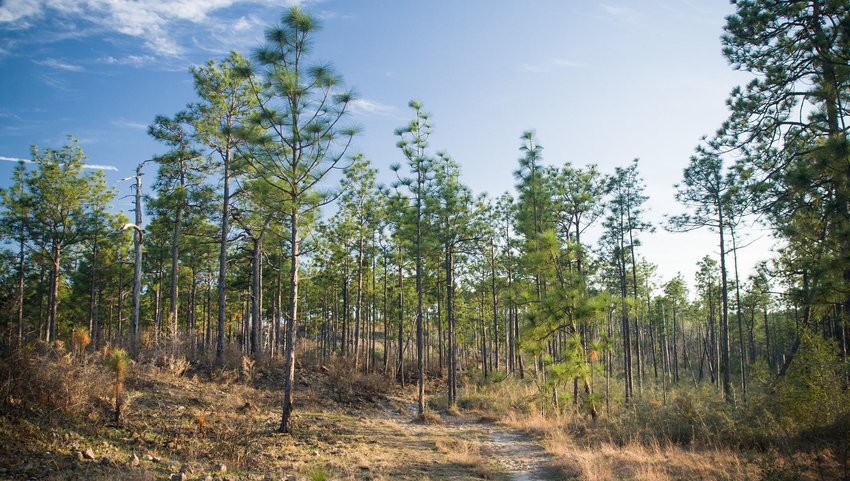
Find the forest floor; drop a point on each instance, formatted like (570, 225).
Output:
(184, 422)
(224, 428)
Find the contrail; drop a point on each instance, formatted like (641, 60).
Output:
(85, 166)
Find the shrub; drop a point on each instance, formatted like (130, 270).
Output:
(80, 339)
(812, 394)
(346, 384)
(44, 379)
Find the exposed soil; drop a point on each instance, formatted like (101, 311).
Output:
(186, 422)
(515, 455)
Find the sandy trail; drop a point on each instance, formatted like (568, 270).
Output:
(521, 458)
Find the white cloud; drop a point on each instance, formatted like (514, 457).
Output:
(621, 13)
(15, 159)
(132, 60)
(129, 124)
(55, 82)
(242, 24)
(159, 23)
(364, 106)
(85, 166)
(565, 63)
(59, 65)
(100, 167)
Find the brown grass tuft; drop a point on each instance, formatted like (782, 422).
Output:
(466, 454)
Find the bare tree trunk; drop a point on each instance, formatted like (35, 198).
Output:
(175, 257)
(495, 303)
(724, 316)
(222, 259)
(738, 313)
(452, 342)
(400, 320)
(21, 271)
(419, 320)
(292, 327)
(137, 261)
(346, 337)
(386, 319)
(120, 330)
(358, 307)
(256, 316)
(53, 296)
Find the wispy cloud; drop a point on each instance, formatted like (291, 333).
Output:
(548, 65)
(160, 24)
(129, 124)
(331, 15)
(621, 13)
(365, 106)
(59, 65)
(15, 159)
(100, 167)
(131, 60)
(55, 83)
(9, 115)
(85, 166)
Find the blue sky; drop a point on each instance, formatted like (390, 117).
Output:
(600, 82)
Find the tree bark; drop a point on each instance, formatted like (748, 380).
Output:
(222, 259)
(292, 327)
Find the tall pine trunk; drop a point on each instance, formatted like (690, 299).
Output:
(222, 259)
(292, 325)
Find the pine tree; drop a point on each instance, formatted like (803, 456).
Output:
(300, 107)
(413, 142)
(622, 223)
(62, 198)
(14, 203)
(227, 101)
(788, 124)
(457, 223)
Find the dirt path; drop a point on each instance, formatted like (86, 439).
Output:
(522, 458)
(519, 457)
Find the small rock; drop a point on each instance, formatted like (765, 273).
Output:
(315, 453)
(88, 453)
(78, 455)
(181, 476)
(220, 468)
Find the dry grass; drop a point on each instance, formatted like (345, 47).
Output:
(651, 440)
(644, 461)
(179, 414)
(51, 381)
(468, 454)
